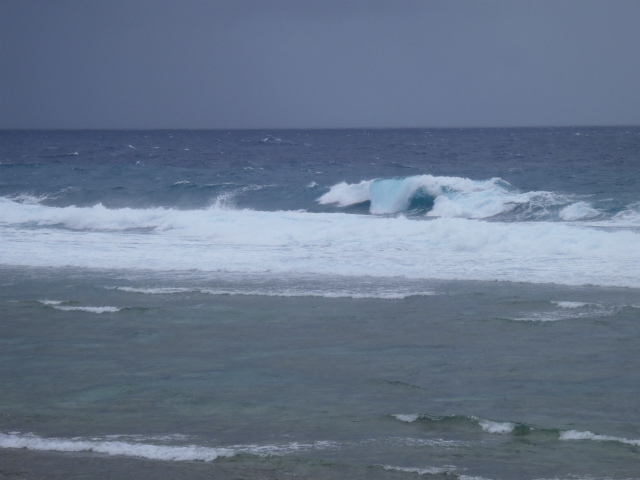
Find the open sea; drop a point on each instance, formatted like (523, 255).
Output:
(322, 304)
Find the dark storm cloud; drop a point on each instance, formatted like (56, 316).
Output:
(320, 63)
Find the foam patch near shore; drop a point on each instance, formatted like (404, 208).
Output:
(151, 451)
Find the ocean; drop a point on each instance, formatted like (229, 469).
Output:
(320, 304)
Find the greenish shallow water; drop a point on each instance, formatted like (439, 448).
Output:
(481, 379)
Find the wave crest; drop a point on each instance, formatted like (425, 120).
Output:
(442, 197)
(504, 428)
(144, 448)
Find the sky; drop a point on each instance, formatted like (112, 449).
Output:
(318, 63)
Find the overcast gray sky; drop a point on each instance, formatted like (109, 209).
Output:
(318, 63)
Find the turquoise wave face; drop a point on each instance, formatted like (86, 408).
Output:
(427, 195)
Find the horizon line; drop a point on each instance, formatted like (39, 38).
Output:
(147, 129)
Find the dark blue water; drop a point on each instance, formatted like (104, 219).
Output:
(322, 304)
(142, 168)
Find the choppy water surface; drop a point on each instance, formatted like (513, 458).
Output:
(327, 304)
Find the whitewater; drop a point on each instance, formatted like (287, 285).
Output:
(456, 238)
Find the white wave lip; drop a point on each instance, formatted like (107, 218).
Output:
(344, 194)
(66, 308)
(409, 418)
(155, 291)
(578, 211)
(59, 305)
(577, 435)
(566, 304)
(148, 450)
(496, 427)
(336, 244)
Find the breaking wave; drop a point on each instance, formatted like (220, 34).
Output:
(143, 447)
(513, 428)
(577, 435)
(228, 240)
(67, 307)
(452, 197)
(289, 290)
(488, 426)
(578, 211)
(565, 310)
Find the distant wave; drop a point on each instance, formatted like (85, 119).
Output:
(577, 435)
(506, 428)
(65, 307)
(567, 310)
(382, 292)
(423, 470)
(448, 471)
(488, 426)
(567, 304)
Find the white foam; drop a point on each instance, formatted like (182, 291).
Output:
(344, 194)
(31, 199)
(628, 217)
(143, 438)
(571, 304)
(51, 302)
(412, 417)
(496, 427)
(151, 451)
(59, 305)
(577, 435)
(421, 471)
(111, 447)
(543, 317)
(578, 211)
(570, 310)
(271, 291)
(302, 243)
(67, 308)
(154, 291)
